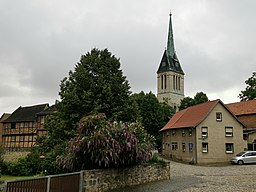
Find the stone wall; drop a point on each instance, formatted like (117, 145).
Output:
(2, 186)
(13, 155)
(103, 180)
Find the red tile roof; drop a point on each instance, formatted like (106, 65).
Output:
(191, 116)
(243, 107)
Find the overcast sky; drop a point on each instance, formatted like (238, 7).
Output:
(40, 41)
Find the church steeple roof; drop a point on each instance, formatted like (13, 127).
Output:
(170, 61)
(170, 42)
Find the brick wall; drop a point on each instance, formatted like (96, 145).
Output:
(103, 180)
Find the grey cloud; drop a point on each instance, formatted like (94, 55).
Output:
(40, 41)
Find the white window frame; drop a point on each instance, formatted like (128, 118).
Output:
(204, 147)
(30, 124)
(183, 133)
(183, 147)
(190, 132)
(22, 138)
(204, 132)
(13, 138)
(229, 131)
(218, 116)
(174, 146)
(230, 145)
(22, 124)
(42, 120)
(30, 138)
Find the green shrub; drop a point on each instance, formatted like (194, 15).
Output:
(4, 167)
(1, 159)
(49, 165)
(24, 166)
(19, 167)
(155, 159)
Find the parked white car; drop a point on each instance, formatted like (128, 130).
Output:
(244, 157)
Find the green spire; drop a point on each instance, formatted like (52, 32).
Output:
(170, 42)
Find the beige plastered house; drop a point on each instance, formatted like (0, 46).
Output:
(204, 133)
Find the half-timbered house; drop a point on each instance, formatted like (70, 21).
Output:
(2, 118)
(20, 129)
(41, 120)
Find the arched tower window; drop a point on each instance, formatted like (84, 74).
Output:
(178, 83)
(162, 86)
(165, 81)
(173, 82)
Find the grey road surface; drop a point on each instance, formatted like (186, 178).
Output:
(189, 178)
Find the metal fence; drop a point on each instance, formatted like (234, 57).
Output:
(71, 182)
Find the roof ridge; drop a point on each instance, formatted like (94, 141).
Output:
(34, 105)
(191, 116)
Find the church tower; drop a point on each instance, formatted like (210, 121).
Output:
(170, 76)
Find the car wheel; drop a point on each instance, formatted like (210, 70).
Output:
(240, 162)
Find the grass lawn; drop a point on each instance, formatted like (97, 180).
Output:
(9, 177)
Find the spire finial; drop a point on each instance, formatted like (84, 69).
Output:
(170, 12)
(170, 41)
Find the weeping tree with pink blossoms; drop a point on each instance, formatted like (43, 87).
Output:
(101, 144)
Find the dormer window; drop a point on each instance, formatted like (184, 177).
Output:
(218, 116)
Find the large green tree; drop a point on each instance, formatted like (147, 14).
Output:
(97, 85)
(186, 102)
(250, 91)
(200, 97)
(153, 114)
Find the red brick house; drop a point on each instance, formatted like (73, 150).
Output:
(245, 111)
